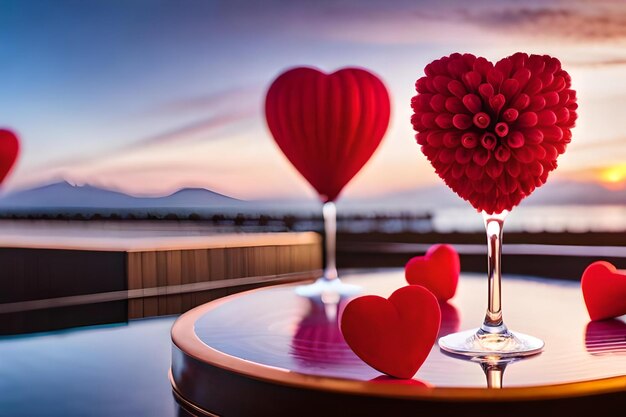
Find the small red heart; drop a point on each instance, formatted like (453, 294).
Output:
(438, 270)
(393, 335)
(493, 132)
(327, 125)
(9, 149)
(604, 290)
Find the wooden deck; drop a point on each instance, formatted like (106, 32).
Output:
(142, 272)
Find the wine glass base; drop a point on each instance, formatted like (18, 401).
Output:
(472, 344)
(328, 289)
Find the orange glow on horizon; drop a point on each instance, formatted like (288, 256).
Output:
(614, 177)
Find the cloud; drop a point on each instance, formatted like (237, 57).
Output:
(207, 102)
(576, 22)
(203, 130)
(600, 62)
(402, 21)
(203, 127)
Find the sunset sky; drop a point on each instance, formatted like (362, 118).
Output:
(149, 96)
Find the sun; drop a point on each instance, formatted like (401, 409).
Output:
(614, 177)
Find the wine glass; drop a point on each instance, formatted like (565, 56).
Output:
(328, 126)
(493, 133)
(493, 338)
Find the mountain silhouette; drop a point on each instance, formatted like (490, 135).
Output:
(66, 195)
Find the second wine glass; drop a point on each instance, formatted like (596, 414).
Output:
(328, 126)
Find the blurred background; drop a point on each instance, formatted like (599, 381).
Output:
(154, 110)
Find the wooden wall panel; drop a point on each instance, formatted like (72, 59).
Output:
(35, 274)
(217, 263)
(174, 278)
(162, 280)
(177, 267)
(135, 282)
(188, 276)
(150, 278)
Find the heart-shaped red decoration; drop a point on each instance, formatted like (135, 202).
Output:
(604, 290)
(438, 270)
(393, 335)
(493, 132)
(9, 149)
(328, 126)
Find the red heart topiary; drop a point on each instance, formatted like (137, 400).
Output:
(393, 335)
(493, 132)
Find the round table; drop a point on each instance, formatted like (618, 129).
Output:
(272, 352)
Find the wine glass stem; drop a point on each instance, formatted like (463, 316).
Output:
(494, 374)
(330, 230)
(493, 322)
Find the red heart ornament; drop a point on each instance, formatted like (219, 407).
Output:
(493, 132)
(604, 290)
(393, 335)
(9, 149)
(438, 270)
(328, 126)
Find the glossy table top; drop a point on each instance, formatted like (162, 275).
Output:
(273, 333)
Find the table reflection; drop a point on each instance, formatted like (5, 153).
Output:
(494, 370)
(318, 337)
(606, 337)
(450, 319)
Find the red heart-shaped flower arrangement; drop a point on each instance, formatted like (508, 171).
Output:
(328, 125)
(9, 149)
(604, 290)
(493, 132)
(393, 335)
(438, 270)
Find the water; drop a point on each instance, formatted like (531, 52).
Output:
(113, 370)
(459, 218)
(533, 219)
(554, 219)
